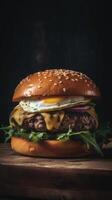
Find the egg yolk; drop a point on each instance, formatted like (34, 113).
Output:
(52, 100)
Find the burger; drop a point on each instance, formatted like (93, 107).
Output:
(55, 115)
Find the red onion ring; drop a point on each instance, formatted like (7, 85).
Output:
(80, 108)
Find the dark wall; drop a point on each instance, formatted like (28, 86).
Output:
(43, 34)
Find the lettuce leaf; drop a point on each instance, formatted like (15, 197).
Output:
(85, 137)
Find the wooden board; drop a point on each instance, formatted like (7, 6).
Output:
(54, 179)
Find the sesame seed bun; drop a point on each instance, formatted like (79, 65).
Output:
(55, 82)
(49, 148)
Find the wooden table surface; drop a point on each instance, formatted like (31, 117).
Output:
(54, 179)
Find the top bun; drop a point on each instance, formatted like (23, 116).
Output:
(55, 82)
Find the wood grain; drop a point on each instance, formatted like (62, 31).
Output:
(41, 178)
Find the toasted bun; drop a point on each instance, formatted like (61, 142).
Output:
(55, 82)
(49, 148)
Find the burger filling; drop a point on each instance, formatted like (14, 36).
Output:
(55, 119)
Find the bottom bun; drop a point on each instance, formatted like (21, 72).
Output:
(49, 148)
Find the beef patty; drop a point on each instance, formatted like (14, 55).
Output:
(76, 121)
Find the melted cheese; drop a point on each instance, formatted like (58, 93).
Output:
(18, 114)
(54, 120)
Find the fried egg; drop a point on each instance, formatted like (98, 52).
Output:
(51, 104)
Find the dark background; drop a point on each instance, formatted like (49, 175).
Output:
(38, 35)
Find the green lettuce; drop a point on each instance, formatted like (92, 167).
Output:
(85, 137)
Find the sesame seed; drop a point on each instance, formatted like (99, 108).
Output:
(30, 85)
(59, 77)
(60, 81)
(64, 89)
(21, 83)
(55, 83)
(76, 79)
(38, 86)
(66, 77)
(45, 77)
(50, 80)
(27, 78)
(28, 93)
